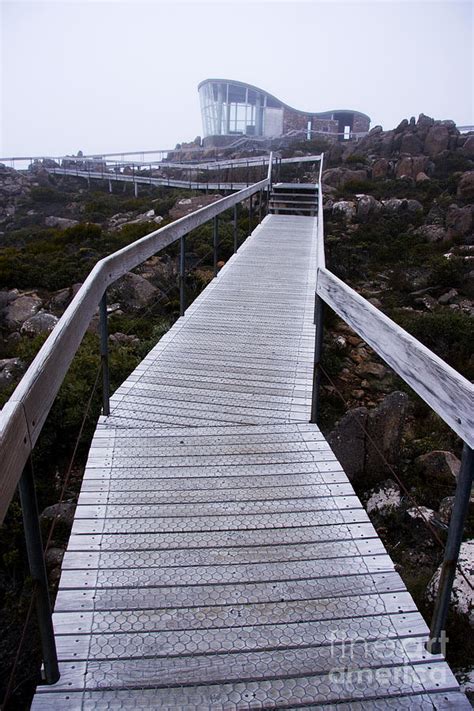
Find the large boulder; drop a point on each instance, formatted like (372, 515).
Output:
(338, 177)
(439, 464)
(62, 513)
(462, 596)
(465, 189)
(347, 441)
(366, 206)
(346, 208)
(380, 168)
(133, 291)
(384, 499)
(437, 140)
(10, 368)
(42, 322)
(432, 233)
(459, 221)
(21, 309)
(385, 425)
(411, 144)
(61, 222)
(395, 205)
(410, 167)
(468, 147)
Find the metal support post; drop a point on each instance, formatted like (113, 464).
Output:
(250, 213)
(216, 241)
(236, 246)
(104, 354)
(34, 547)
(451, 553)
(182, 275)
(260, 206)
(135, 187)
(318, 349)
(110, 186)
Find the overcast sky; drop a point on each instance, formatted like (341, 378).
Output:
(118, 76)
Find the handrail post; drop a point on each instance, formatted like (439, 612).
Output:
(182, 275)
(34, 547)
(451, 552)
(318, 349)
(250, 213)
(260, 205)
(235, 229)
(215, 241)
(104, 354)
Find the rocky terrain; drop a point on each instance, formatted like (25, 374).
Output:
(399, 222)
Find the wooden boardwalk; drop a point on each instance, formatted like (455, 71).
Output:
(219, 557)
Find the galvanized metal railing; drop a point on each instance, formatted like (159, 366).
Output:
(24, 415)
(447, 392)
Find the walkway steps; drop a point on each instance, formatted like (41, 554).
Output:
(219, 558)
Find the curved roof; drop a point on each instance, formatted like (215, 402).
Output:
(287, 106)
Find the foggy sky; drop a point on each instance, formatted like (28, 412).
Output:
(118, 76)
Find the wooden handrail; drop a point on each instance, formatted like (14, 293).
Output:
(23, 416)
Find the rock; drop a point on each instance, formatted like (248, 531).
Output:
(409, 167)
(124, 339)
(42, 322)
(63, 512)
(338, 177)
(7, 296)
(445, 509)
(385, 426)
(397, 205)
(432, 233)
(345, 208)
(448, 297)
(368, 368)
(414, 206)
(439, 465)
(61, 222)
(437, 140)
(459, 221)
(422, 514)
(61, 299)
(21, 309)
(411, 144)
(10, 368)
(367, 205)
(347, 441)
(465, 189)
(462, 597)
(424, 121)
(468, 147)
(402, 126)
(54, 557)
(427, 303)
(375, 302)
(133, 291)
(187, 205)
(380, 168)
(422, 177)
(384, 499)
(435, 215)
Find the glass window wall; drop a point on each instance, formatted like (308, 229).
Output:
(229, 109)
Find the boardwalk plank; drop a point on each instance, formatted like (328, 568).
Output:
(219, 557)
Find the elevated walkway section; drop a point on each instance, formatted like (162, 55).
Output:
(219, 557)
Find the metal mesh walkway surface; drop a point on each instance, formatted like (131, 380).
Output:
(219, 557)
